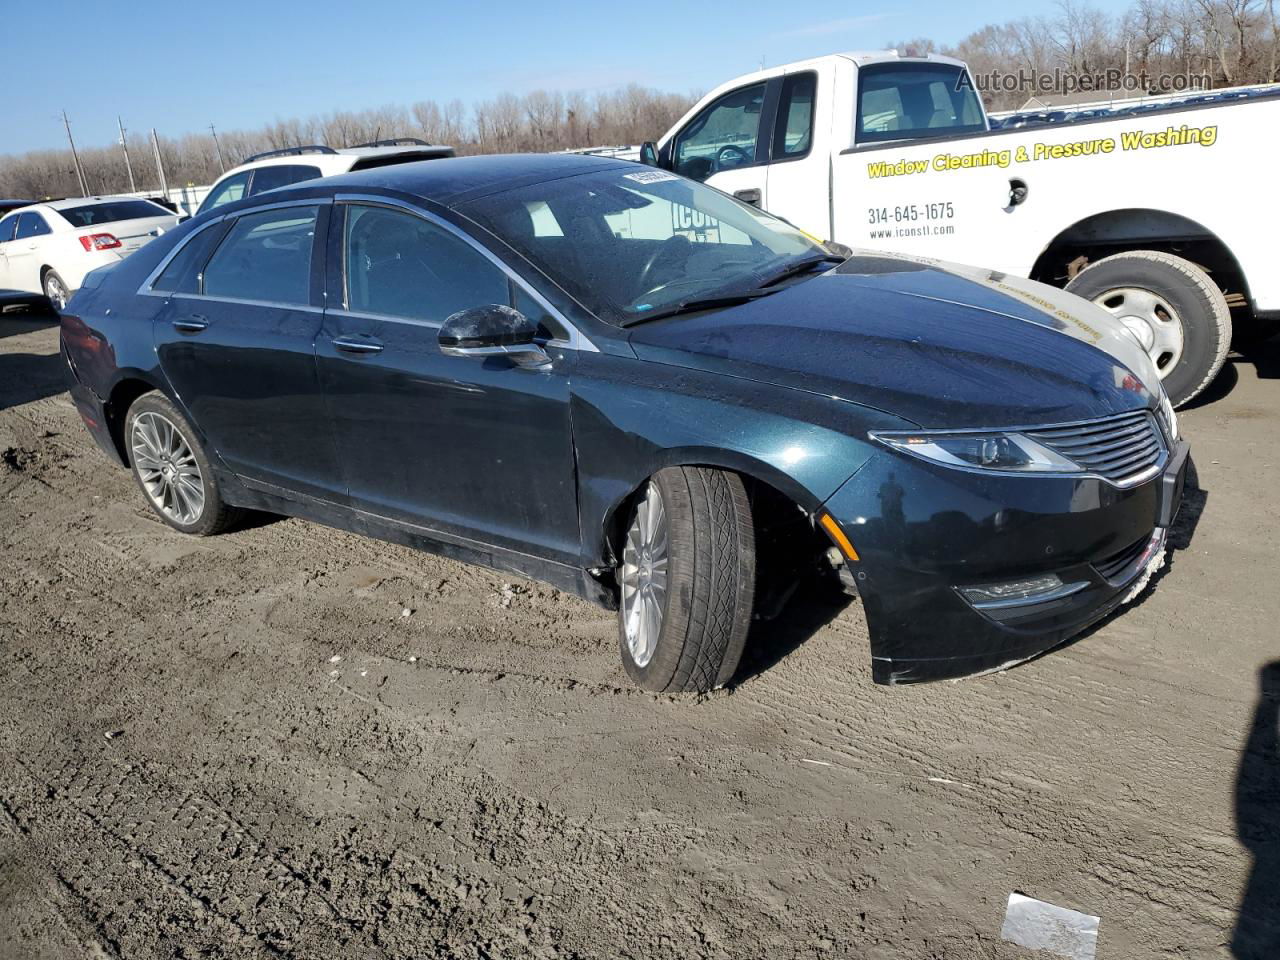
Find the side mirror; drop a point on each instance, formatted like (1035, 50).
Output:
(649, 153)
(492, 331)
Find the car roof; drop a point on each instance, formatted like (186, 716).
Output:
(455, 180)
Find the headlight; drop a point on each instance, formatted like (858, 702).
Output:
(986, 451)
(1168, 416)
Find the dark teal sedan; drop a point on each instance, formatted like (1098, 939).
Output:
(635, 388)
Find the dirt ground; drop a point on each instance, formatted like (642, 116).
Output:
(290, 741)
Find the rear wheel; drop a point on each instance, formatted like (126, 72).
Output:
(1174, 309)
(687, 580)
(55, 288)
(172, 470)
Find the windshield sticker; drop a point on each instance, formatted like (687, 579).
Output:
(650, 176)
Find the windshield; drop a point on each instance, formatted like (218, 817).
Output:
(92, 214)
(912, 101)
(628, 244)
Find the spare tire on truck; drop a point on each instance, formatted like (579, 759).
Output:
(1177, 313)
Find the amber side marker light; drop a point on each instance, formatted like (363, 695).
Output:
(835, 533)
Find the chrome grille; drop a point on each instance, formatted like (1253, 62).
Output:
(1122, 449)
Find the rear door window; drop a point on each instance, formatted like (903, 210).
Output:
(265, 257)
(31, 225)
(281, 175)
(182, 275)
(794, 135)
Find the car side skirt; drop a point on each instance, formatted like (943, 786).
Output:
(255, 495)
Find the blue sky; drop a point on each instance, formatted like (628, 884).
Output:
(179, 67)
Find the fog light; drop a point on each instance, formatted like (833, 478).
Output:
(1013, 593)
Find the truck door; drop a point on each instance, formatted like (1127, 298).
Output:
(726, 145)
(924, 177)
(799, 165)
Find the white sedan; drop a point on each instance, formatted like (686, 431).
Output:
(49, 247)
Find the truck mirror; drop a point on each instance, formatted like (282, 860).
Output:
(649, 153)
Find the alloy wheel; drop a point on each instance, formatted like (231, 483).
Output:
(643, 577)
(1151, 319)
(167, 468)
(55, 291)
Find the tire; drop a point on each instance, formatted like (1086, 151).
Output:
(705, 608)
(172, 470)
(1183, 293)
(55, 289)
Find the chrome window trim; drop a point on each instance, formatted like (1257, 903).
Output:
(145, 289)
(300, 307)
(576, 339)
(384, 318)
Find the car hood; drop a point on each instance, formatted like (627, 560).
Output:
(937, 344)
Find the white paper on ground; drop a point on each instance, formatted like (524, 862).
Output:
(1042, 926)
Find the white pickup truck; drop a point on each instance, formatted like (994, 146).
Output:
(1165, 216)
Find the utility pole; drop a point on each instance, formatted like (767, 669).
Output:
(222, 167)
(155, 146)
(84, 183)
(128, 164)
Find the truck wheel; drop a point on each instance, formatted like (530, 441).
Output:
(1177, 313)
(687, 580)
(172, 469)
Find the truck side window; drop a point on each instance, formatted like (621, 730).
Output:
(913, 101)
(794, 136)
(721, 137)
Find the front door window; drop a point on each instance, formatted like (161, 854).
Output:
(721, 137)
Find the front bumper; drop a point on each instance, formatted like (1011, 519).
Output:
(923, 531)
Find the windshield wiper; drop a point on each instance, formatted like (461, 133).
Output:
(800, 266)
(698, 303)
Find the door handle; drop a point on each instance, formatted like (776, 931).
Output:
(192, 324)
(751, 196)
(357, 345)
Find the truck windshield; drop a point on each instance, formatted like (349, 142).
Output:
(633, 241)
(913, 101)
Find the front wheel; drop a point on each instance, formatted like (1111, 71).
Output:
(1174, 309)
(172, 469)
(687, 580)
